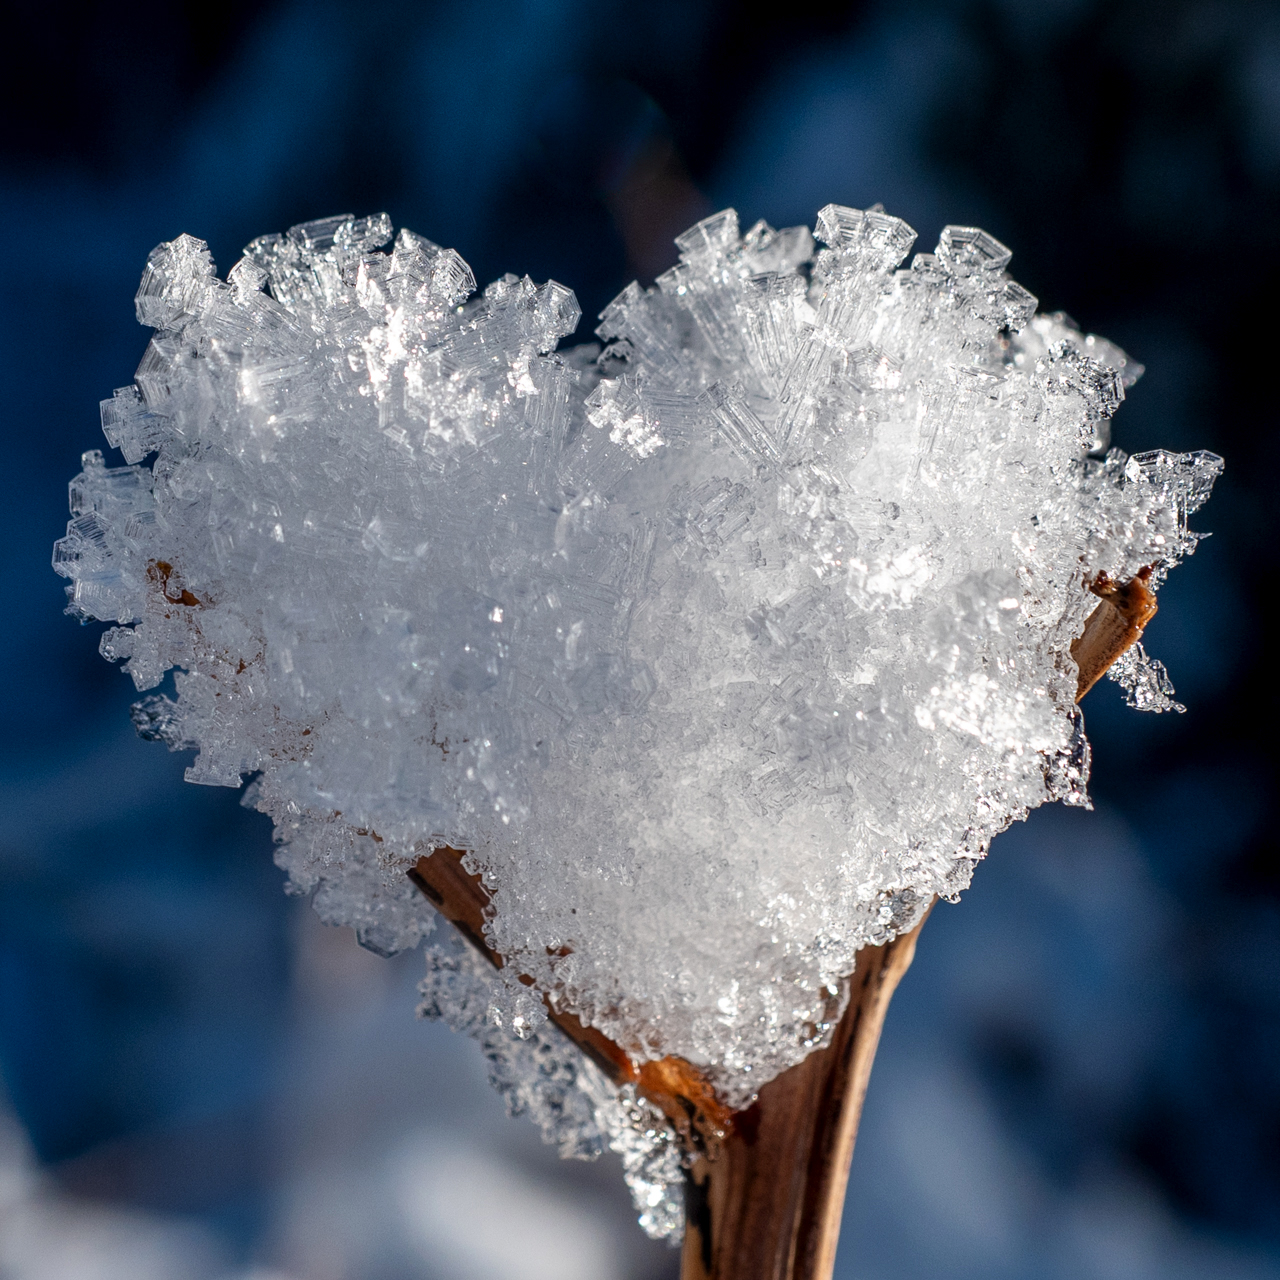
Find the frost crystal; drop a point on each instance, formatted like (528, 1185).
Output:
(1145, 681)
(723, 650)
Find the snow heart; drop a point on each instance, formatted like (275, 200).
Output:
(723, 649)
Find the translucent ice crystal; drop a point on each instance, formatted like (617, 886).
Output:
(723, 650)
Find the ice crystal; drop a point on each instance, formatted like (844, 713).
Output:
(1145, 681)
(724, 650)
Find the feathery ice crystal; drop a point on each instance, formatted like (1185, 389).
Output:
(723, 650)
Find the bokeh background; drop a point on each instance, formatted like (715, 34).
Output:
(1081, 1075)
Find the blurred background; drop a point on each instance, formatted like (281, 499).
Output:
(1080, 1076)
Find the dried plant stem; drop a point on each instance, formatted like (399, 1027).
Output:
(768, 1206)
(766, 1190)
(1113, 628)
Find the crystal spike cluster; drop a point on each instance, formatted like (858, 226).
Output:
(723, 650)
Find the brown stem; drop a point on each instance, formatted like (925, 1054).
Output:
(766, 1190)
(769, 1206)
(1113, 627)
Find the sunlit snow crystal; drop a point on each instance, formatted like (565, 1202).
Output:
(724, 650)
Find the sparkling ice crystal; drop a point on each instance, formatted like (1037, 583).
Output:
(723, 650)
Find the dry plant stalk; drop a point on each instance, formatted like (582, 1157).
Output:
(1113, 627)
(766, 1187)
(769, 1207)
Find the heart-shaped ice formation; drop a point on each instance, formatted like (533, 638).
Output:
(724, 650)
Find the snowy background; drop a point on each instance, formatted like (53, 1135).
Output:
(1081, 1074)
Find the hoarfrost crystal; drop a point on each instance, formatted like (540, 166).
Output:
(723, 650)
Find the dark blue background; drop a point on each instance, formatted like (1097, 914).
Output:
(1109, 993)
